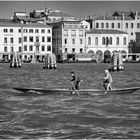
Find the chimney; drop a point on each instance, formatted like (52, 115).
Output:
(136, 13)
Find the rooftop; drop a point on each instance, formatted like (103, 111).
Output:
(58, 13)
(12, 24)
(112, 18)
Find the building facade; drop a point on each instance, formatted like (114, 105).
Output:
(68, 38)
(123, 21)
(105, 42)
(30, 40)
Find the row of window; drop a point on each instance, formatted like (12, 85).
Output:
(42, 48)
(73, 33)
(25, 39)
(73, 41)
(106, 25)
(107, 41)
(28, 31)
(73, 50)
(30, 48)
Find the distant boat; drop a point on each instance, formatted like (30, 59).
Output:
(80, 92)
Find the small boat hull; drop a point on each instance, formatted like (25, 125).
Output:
(79, 92)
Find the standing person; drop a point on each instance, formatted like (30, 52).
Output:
(75, 81)
(107, 81)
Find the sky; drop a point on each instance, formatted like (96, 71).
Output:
(75, 8)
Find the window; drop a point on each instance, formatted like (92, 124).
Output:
(119, 25)
(43, 48)
(43, 39)
(138, 25)
(97, 25)
(124, 41)
(131, 33)
(117, 41)
(19, 40)
(5, 49)
(107, 25)
(65, 32)
(30, 30)
(126, 25)
(66, 50)
(12, 49)
(73, 50)
(42, 31)
(112, 25)
(11, 40)
(89, 41)
(25, 30)
(5, 40)
(81, 50)
(96, 41)
(5, 30)
(81, 41)
(37, 38)
(110, 41)
(73, 41)
(19, 30)
(65, 41)
(31, 39)
(73, 32)
(25, 38)
(131, 25)
(20, 50)
(80, 32)
(48, 48)
(102, 25)
(49, 31)
(25, 47)
(30, 48)
(25, 57)
(36, 31)
(103, 41)
(48, 39)
(11, 30)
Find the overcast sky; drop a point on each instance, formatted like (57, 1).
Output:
(75, 8)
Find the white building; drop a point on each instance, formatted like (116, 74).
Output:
(68, 38)
(126, 21)
(29, 40)
(106, 41)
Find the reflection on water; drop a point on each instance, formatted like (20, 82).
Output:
(68, 117)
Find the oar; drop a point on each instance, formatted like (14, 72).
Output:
(75, 89)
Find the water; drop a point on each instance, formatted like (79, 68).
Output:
(68, 117)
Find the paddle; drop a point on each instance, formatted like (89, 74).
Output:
(75, 89)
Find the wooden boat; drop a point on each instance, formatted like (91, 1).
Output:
(79, 92)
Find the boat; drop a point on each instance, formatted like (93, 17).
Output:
(79, 92)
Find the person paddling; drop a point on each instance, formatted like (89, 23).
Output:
(107, 81)
(75, 81)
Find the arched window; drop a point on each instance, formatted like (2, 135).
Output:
(89, 41)
(96, 41)
(103, 40)
(110, 41)
(117, 41)
(124, 41)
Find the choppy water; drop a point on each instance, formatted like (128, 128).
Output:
(68, 117)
